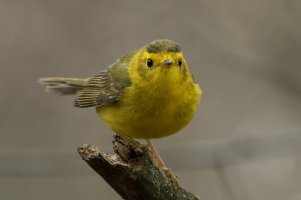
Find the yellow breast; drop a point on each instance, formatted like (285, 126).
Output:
(153, 110)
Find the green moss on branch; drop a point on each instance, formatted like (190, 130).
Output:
(132, 173)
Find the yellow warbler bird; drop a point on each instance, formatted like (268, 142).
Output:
(148, 93)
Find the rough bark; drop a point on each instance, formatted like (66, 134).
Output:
(132, 172)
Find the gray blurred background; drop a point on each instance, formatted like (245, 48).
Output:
(243, 144)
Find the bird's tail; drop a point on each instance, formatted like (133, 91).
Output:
(63, 86)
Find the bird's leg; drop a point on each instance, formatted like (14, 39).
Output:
(155, 155)
(159, 162)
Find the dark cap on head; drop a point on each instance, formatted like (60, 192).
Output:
(163, 45)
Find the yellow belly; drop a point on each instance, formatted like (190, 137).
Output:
(146, 115)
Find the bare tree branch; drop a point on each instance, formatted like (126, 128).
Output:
(132, 173)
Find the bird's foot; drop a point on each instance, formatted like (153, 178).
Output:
(160, 164)
(168, 172)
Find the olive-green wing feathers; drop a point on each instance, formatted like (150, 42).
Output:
(107, 86)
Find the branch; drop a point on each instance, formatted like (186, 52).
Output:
(132, 173)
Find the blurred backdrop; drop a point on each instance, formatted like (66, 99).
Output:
(243, 144)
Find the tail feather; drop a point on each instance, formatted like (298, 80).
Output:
(63, 86)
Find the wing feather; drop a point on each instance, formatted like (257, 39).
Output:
(107, 86)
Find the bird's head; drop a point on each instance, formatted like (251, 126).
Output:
(160, 61)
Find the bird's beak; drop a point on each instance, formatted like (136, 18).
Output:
(167, 62)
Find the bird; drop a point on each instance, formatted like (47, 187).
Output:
(147, 93)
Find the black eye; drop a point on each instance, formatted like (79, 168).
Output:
(180, 62)
(149, 62)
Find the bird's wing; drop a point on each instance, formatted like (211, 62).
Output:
(107, 86)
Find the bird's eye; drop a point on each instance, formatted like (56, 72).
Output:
(180, 62)
(149, 62)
